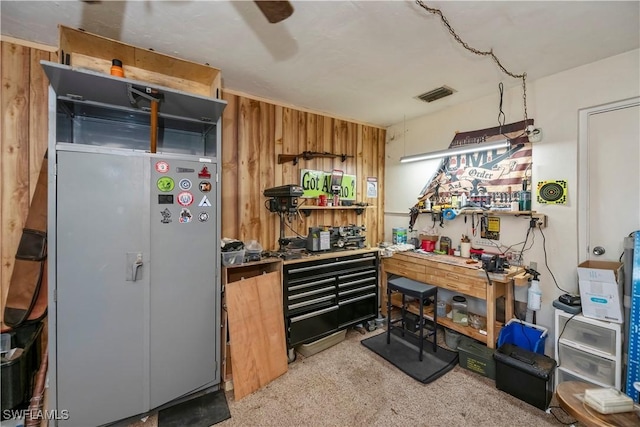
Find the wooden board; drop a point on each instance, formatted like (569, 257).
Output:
(86, 50)
(256, 332)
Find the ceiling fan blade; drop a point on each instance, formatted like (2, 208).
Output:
(275, 11)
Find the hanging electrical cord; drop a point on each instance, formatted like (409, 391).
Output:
(546, 263)
(489, 53)
(501, 116)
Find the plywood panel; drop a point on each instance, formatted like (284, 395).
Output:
(14, 157)
(256, 332)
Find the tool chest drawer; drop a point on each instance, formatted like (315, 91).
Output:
(322, 296)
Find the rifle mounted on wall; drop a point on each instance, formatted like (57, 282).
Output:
(308, 155)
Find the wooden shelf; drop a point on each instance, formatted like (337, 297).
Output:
(448, 323)
(542, 218)
(307, 209)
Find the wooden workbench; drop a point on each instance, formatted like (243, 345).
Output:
(455, 274)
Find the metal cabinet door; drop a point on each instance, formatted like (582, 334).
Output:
(184, 329)
(102, 357)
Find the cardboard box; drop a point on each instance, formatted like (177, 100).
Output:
(600, 284)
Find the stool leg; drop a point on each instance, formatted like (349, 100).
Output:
(388, 314)
(435, 321)
(420, 322)
(404, 311)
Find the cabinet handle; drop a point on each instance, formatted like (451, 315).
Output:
(352, 300)
(313, 314)
(314, 292)
(453, 276)
(311, 302)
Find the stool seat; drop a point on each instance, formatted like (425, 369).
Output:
(420, 291)
(410, 287)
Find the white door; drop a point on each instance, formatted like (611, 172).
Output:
(609, 207)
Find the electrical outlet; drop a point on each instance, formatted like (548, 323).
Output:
(533, 265)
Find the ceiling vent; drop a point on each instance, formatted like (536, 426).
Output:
(435, 94)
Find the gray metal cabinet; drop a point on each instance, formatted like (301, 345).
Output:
(133, 247)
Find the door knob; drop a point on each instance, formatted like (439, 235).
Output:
(598, 250)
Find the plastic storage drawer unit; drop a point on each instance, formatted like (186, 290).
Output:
(525, 375)
(588, 365)
(586, 335)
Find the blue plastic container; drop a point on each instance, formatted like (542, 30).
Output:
(524, 335)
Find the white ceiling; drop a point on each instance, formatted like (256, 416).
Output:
(361, 60)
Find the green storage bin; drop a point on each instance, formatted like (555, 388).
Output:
(476, 357)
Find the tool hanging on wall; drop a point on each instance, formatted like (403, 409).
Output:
(308, 155)
(27, 295)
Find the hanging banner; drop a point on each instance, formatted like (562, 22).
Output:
(316, 183)
(492, 177)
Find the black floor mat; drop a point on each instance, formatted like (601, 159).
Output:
(402, 352)
(201, 411)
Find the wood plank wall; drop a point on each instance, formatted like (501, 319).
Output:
(23, 143)
(254, 133)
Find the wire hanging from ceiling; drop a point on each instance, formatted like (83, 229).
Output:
(489, 53)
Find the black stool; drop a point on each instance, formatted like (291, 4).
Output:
(422, 292)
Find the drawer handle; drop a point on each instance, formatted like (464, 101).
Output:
(360, 273)
(313, 314)
(311, 302)
(329, 264)
(355, 282)
(314, 292)
(353, 291)
(453, 276)
(352, 300)
(309, 284)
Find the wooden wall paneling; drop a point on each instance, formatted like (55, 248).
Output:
(229, 174)
(372, 170)
(290, 145)
(327, 164)
(362, 190)
(14, 155)
(271, 220)
(343, 144)
(38, 113)
(268, 160)
(382, 136)
(252, 134)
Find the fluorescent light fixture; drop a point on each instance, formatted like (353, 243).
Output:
(471, 148)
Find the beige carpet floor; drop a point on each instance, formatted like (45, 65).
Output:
(348, 385)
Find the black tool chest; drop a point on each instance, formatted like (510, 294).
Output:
(326, 295)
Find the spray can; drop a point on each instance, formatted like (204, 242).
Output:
(534, 295)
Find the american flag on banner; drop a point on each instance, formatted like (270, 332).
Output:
(486, 177)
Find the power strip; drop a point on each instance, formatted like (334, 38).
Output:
(486, 242)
